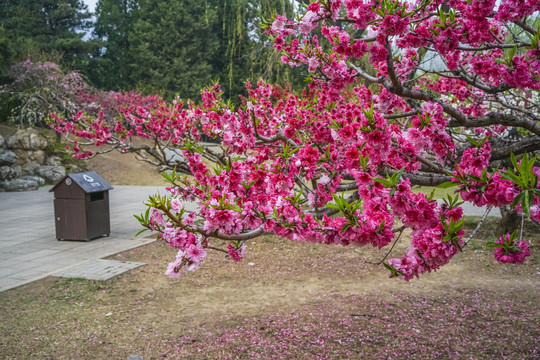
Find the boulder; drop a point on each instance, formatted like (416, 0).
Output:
(52, 174)
(7, 173)
(37, 156)
(1, 141)
(7, 157)
(40, 181)
(27, 139)
(54, 161)
(30, 168)
(24, 156)
(173, 156)
(19, 185)
(73, 169)
(17, 169)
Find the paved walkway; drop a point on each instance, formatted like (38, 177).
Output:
(29, 249)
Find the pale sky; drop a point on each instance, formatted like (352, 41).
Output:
(91, 4)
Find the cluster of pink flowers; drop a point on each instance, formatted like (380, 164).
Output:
(512, 252)
(186, 260)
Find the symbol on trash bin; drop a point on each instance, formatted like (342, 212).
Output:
(88, 178)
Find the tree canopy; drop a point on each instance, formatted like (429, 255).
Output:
(180, 47)
(46, 26)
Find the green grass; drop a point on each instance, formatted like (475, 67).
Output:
(439, 193)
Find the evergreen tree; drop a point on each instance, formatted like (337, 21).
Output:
(110, 66)
(172, 46)
(48, 26)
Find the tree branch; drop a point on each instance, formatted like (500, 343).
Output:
(423, 179)
(529, 144)
(494, 118)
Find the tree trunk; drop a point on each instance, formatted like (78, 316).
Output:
(509, 222)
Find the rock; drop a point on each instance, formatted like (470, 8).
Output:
(27, 139)
(22, 156)
(7, 157)
(37, 156)
(173, 156)
(19, 185)
(54, 161)
(30, 168)
(17, 169)
(1, 141)
(51, 174)
(7, 173)
(40, 181)
(73, 169)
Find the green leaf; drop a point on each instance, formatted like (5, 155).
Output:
(509, 175)
(446, 185)
(512, 53)
(140, 232)
(516, 200)
(493, 245)
(525, 204)
(333, 206)
(475, 178)
(385, 182)
(443, 222)
(523, 170)
(398, 175)
(393, 271)
(513, 160)
(472, 141)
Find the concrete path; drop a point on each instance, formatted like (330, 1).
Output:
(29, 249)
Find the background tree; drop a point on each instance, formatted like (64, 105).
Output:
(110, 66)
(39, 89)
(172, 47)
(48, 26)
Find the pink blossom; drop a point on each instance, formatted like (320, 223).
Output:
(514, 252)
(176, 205)
(236, 254)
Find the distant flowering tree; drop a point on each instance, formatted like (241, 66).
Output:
(39, 88)
(336, 164)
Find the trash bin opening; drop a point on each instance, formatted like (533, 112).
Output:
(97, 196)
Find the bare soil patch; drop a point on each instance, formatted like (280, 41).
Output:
(124, 169)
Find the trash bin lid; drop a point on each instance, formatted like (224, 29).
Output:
(89, 181)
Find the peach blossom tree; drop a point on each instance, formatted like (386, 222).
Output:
(400, 93)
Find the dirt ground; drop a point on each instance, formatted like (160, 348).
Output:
(286, 300)
(125, 169)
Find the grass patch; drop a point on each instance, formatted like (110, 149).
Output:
(438, 192)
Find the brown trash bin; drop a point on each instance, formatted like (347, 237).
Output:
(81, 207)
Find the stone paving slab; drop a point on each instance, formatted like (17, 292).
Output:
(29, 249)
(99, 269)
